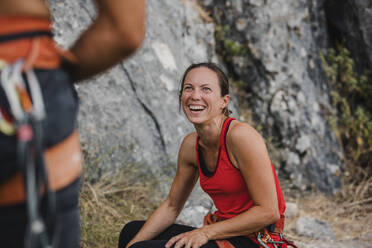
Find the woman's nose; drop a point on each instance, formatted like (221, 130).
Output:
(195, 94)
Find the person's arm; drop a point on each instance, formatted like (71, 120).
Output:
(115, 34)
(183, 183)
(249, 154)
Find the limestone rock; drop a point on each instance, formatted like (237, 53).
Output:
(351, 22)
(334, 244)
(278, 64)
(192, 216)
(313, 228)
(291, 210)
(130, 113)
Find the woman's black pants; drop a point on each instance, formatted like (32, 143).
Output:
(132, 228)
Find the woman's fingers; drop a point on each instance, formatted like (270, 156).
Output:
(189, 244)
(174, 240)
(181, 242)
(193, 239)
(192, 244)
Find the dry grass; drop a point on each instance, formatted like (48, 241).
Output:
(349, 212)
(128, 194)
(116, 198)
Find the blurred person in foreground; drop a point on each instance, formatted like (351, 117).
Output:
(231, 161)
(40, 156)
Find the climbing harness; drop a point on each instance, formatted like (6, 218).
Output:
(28, 113)
(264, 239)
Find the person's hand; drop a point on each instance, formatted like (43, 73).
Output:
(192, 239)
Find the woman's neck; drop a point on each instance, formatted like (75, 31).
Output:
(209, 133)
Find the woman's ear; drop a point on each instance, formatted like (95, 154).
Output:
(225, 101)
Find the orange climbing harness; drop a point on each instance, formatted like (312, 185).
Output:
(263, 238)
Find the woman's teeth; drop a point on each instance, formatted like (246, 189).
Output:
(196, 108)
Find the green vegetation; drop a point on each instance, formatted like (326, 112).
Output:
(351, 96)
(226, 47)
(234, 47)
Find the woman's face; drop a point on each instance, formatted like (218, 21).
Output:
(201, 96)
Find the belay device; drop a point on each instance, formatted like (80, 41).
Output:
(28, 112)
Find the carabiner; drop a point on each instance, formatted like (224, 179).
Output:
(38, 105)
(8, 84)
(259, 239)
(15, 90)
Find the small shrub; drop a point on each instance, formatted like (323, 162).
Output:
(351, 96)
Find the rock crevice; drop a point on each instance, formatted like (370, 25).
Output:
(147, 110)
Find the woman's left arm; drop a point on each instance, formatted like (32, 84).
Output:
(248, 152)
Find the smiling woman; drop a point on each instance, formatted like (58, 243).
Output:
(212, 73)
(234, 168)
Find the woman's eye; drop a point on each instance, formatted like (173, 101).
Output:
(207, 89)
(187, 88)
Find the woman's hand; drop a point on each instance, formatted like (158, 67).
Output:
(192, 239)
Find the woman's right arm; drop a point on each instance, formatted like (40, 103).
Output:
(183, 183)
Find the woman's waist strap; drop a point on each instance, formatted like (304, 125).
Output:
(29, 38)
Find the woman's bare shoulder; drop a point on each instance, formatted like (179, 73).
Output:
(246, 146)
(245, 136)
(242, 130)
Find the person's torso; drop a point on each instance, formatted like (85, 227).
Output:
(27, 41)
(226, 185)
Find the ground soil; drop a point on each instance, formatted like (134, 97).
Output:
(351, 222)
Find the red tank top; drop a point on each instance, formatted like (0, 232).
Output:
(226, 185)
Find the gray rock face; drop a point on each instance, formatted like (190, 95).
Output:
(313, 228)
(273, 48)
(291, 210)
(334, 244)
(196, 207)
(192, 216)
(131, 112)
(351, 22)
